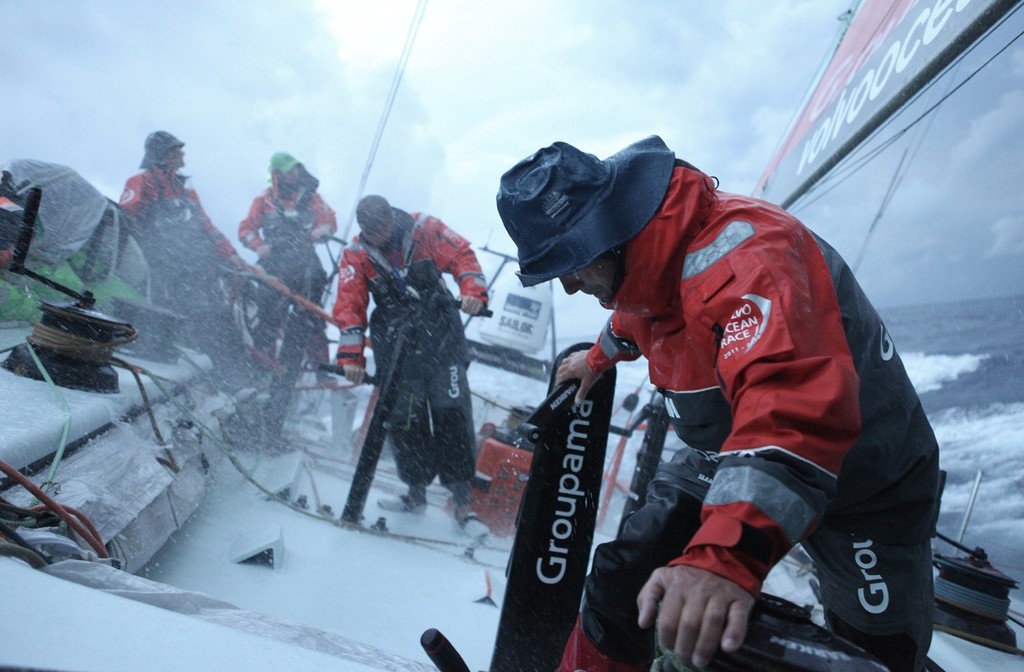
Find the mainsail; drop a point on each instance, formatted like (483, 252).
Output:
(890, 52)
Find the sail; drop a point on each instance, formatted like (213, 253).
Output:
(890, 51)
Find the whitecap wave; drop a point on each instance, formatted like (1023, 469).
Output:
(930, 372)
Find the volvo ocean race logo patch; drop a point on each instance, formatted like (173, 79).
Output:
(745, 326)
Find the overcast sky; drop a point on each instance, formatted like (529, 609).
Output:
(486, 85)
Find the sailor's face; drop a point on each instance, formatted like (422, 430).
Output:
(174, 159)
(290, 177)
(596, 279)
(378, 235)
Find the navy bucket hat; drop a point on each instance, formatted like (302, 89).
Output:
(564, 208)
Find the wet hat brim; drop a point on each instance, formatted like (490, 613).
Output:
(640, 175)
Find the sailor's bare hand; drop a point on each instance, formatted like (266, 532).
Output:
(696, 612)
(354, 373)
(263, 251)
(471, 305)
(575, 366)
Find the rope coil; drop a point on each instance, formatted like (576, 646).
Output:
(79, 347)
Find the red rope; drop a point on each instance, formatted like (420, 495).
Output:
(86, 530)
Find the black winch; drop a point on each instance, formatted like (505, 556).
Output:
(782, 638)
(972, 600)
(74, 345)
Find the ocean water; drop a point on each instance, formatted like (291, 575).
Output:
(967, 362)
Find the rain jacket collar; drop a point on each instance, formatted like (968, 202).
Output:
(654, 257)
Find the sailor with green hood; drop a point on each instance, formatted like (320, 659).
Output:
(284, 224)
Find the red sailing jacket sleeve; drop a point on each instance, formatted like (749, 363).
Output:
(452, 254)
(351, 304)
(249, 228)
(786, 370)
(142, 190)
(615, 344)
(326, 221)
(138, 193)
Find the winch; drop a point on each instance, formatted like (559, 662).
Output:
(972, 600)
(74, 345)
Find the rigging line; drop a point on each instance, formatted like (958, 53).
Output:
(840, 175)
(901, 171)
(897, 177)
(396, 81)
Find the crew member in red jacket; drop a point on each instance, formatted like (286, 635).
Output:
(398, 258)
(185, 252)
(284, 224)
(800, 423)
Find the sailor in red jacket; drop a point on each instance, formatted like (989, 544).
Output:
(800, 423)
(399, 258)
(186, 254)
(282, 227)
(172, 228)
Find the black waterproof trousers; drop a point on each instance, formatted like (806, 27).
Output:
(430, 423)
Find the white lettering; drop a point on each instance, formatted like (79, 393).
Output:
(860, 96)
(569, 484)
(453, 382)
(576, 434)
(561, 529)
(570, 494)
(745, 309)
(925, 28)
(884, 71)
(744, 324)
(732, 338)
(557, 563)
(573, 463)
(877, 588)
(562, 397)
(888, 348)
(803, 647)
(516, 325)
(935, 24)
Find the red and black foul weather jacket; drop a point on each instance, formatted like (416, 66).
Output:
(421, 241)
(769, 354)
